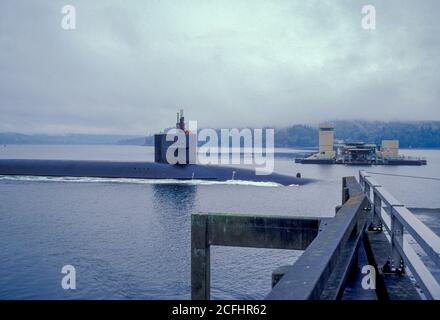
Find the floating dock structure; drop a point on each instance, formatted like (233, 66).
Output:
(357, 153)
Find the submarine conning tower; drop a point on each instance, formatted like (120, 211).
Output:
(180, 124)
(162, 144)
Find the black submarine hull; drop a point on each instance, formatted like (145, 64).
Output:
(139, 170)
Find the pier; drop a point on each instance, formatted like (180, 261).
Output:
(370, 228)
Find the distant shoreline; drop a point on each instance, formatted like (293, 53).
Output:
(310, 149)
(411, 135)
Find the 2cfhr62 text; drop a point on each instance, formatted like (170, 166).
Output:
(220, 309)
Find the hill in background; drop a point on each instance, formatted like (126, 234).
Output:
(77, 139)
(423, 134)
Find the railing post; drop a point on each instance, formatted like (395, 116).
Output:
(395, 264)
(367, 191)
(361, 179)
(345, 191)
(376, 222)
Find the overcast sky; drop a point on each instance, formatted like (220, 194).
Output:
(129, 65)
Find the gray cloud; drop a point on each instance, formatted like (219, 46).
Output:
(130, 64)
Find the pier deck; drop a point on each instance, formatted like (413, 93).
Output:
(370, 231)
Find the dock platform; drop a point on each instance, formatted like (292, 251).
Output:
(372, 235)
(385, 162)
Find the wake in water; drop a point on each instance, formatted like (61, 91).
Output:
(139, 181)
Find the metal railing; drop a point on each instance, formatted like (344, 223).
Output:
(324, 268)
(388, 212)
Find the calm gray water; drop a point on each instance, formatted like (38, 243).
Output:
(132, 240)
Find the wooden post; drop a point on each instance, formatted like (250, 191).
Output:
(200, 258)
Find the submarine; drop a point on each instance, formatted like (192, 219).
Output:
(138, 170)
(159, 169)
